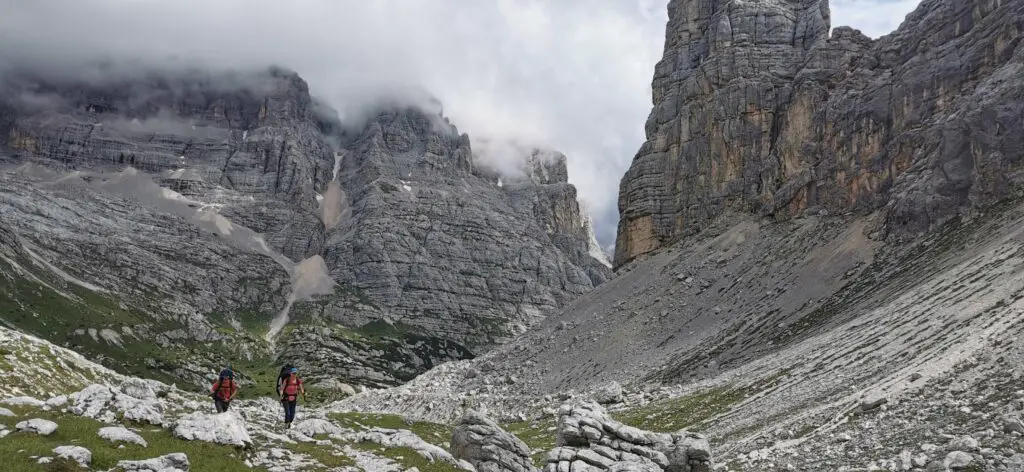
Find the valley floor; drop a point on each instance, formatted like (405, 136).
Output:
(805, 345)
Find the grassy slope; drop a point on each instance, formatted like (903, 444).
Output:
(18, 448)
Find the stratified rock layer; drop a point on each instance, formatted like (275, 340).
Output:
(443, 246)
(196, 206)
(757, 109)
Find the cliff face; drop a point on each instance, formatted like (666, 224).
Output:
(757, 109)
(205, 204)
(449, 247)
(256, 134)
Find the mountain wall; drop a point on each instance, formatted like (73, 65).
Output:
(758, 109)
(447, 246)
(204, 204)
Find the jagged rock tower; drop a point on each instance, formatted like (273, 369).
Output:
(758, 109)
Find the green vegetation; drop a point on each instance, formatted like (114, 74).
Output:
(538, 435)
(682, 412)
(324, 456)
(692, 411)
(433, 433)
(17, 448)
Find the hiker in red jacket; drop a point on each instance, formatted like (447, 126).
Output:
(224, 390)
(290, 390)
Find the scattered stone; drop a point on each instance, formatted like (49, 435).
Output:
(6, 412)
(958, 460)
(871, 402)
(121, 434)
(78, 454)
(36, 425)
(964, 443)
(1013, 424)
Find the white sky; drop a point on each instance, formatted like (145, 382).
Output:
(573, 75)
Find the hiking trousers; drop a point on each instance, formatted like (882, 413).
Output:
(289, 410)
(221, 405)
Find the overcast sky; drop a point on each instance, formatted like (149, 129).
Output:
(570, 74)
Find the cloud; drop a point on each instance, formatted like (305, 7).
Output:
(573, 75)
(874, 18)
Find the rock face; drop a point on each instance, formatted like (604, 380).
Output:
(382, 240)
(589, 440)
(444, 246)
(482, 443)
(758, 109)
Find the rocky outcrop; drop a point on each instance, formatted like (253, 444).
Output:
(445, 247)
(589, 440)
(256, 133)
(758, 109)
(482, 443)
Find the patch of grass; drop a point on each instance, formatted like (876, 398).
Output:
(682, 412)
(324, 456)
(539, 436)
(433, 433)
(689, 412)
(408, 458)
(79, 431)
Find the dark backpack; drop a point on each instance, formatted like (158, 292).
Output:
(283, 376)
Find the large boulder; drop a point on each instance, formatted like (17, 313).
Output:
(221, 428)
(121, 434)
(78, 454)
(486, 446)
(36, 425)
(176, 462)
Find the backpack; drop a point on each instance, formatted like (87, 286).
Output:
(228, 375)
(293, 387)
(283, 376)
